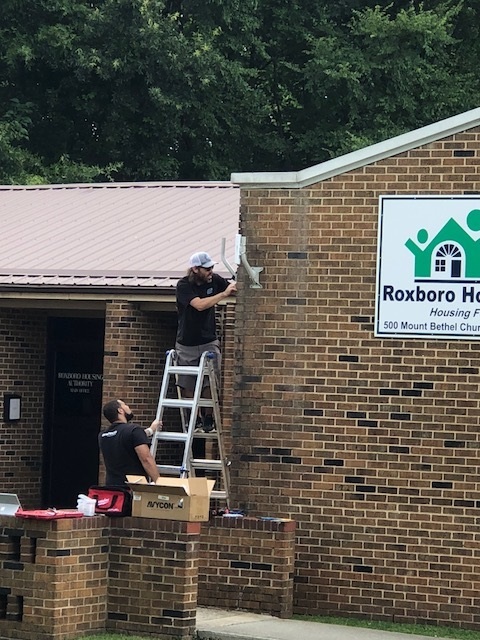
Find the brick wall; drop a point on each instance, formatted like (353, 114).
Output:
(370, 444)
(226, 329)
(22, 371)
(247, 563)
(135, 346)
(64, 579)
(136, 342)
(52, 578)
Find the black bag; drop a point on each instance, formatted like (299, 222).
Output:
(112, 501)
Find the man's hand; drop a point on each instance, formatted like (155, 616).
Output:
(153, 427)
(231, 289)
(201, 304)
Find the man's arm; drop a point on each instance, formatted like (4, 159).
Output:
(201, 304)
(148, 463)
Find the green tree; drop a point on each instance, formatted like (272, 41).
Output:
(158, 91)
(344, 75)
(196, 89)
(391, 74)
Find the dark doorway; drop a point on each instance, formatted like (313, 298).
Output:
(456, 268)
(72, 409)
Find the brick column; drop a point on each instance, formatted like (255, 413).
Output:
(120, 318)
(135, 346)
(22, 370)
(153, 577)
(53, 578)
(226, 322)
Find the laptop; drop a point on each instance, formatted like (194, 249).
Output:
(9, 504)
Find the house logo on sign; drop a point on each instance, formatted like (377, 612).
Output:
(428, 268)
(452, 254)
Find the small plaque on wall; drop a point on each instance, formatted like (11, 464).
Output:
(12, 407)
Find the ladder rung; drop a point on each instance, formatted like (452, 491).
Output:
(171, 436)
(209, 435)
(186, 404)
(212, 465)
(169, 469)
(179, 370)
(221, 495)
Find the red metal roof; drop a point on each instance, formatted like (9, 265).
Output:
(104, 235)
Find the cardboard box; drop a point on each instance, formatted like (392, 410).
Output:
(185, 499)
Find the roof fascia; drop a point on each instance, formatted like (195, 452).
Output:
(52, 295)
(49, 301)
(362, 157)
(49, 293)
(115, 185)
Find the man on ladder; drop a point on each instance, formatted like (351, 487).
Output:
(197, 293)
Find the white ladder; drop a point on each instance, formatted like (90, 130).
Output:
(189, 412)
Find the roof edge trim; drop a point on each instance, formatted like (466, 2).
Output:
(117, 185)
(361, 157)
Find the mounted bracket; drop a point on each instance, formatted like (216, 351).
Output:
(241, 257)
(253, 272)
(226, 262)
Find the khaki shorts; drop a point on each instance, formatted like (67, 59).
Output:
(190, 357)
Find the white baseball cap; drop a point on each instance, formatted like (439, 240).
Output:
(201, 259)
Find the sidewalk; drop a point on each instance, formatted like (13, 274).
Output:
(218, 624)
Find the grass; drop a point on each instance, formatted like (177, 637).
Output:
(427, 630)
(116, 636)
(430, 631)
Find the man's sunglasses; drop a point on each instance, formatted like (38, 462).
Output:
(207, 268)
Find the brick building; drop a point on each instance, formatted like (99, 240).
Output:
(369, 442)
(87, 311)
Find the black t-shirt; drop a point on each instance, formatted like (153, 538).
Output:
(117, 445)
(197, 327)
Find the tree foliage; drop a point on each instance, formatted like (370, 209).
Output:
(195, 89)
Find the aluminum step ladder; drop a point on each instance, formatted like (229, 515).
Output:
(190, 410)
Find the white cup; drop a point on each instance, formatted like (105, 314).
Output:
(86, 506)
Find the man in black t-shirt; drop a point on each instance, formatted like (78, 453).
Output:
(197, 294)
(125, 446)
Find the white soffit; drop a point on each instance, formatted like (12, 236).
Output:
(362, 157)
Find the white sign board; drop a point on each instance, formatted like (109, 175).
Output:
(428, 267)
